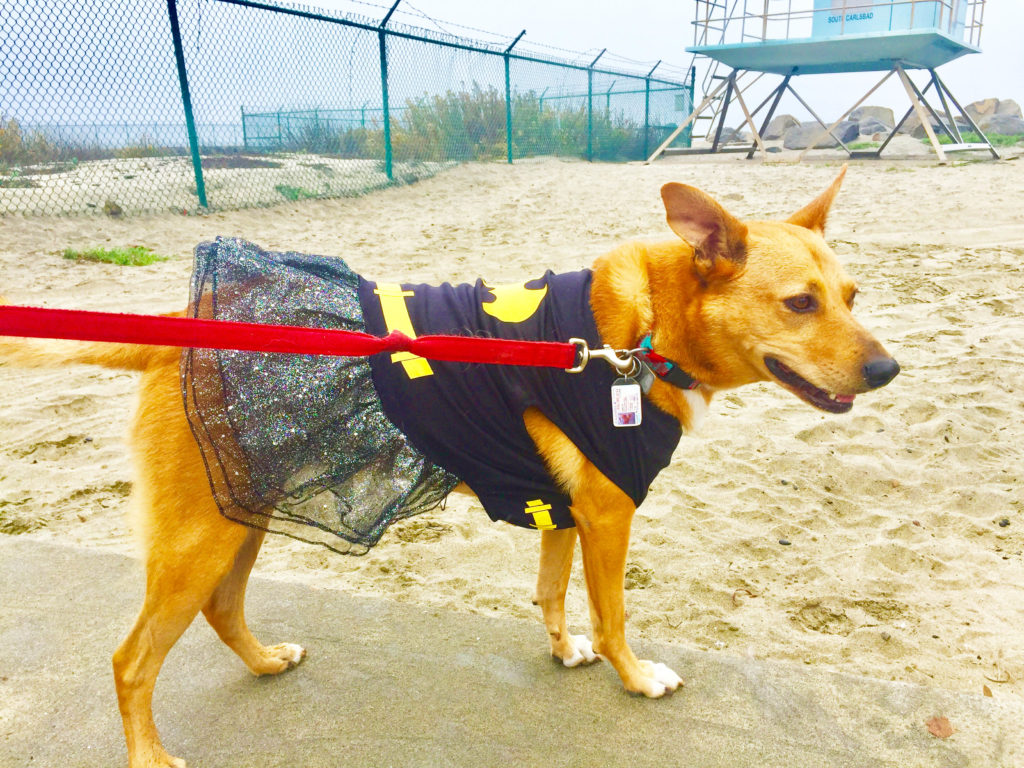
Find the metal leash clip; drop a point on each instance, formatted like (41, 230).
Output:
(622, 360)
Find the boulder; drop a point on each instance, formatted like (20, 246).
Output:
(1009, 107)
(920, 133)
(883, 115)
(869, 126)
(778, 126)
(847, 131)
(910, 123)
(982, 108)
(913, 126)
(1002, 125)
(734, 136)
(801, 136)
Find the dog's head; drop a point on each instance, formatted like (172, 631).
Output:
(772, 302)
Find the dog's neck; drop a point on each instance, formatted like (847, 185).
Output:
(633, 287)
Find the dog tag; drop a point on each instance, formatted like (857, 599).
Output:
(626, 403)
(645, 377)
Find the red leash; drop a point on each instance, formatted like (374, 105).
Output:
(81, 325)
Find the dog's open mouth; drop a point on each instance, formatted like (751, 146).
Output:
(801, 387)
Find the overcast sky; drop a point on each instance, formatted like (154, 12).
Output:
(644, 31)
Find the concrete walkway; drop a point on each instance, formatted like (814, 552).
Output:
(395, 685)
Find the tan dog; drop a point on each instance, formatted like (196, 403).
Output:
(732, 303)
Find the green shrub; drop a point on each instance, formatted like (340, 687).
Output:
(471, 125)
(145, 148)
(294, 193)
(17, 148)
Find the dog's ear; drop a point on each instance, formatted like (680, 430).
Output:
(812, 216)
(719, 240)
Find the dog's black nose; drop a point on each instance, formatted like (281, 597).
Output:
(880, 371)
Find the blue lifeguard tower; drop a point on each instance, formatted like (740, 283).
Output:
(789, 38)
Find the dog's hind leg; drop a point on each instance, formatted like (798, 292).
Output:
(181, 575)
(225, 611)
(556, 552)
(196, 558)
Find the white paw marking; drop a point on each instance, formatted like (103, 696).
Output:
(293, 653)
(583, 651)
(698, 408)
(667, 677)
(662, 680)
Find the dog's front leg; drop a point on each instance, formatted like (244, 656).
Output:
(556, 551)
(603, 516)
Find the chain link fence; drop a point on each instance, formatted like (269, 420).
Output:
(121, 106)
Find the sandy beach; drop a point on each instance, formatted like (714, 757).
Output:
(905, 517)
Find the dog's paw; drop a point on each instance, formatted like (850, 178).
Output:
(290, 653)
(657, 680)
(280, 658)
(155, 757)
(582, 652)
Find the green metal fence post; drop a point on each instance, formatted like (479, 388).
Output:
(590, 106)
(647, 109)
(186, 100)
(508, 97)
(382, 35)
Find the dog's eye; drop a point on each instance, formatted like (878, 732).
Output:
(802, 303)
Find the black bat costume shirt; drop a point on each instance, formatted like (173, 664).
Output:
(468, 418)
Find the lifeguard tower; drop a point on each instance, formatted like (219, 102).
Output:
(789, 38)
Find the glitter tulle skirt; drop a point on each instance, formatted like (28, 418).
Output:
(296, 444)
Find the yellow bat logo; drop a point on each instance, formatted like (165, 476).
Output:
(513, 303)
(541, 515)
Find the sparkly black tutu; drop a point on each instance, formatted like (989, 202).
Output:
(296, 444)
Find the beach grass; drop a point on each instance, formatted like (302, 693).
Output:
(294, 194)
(130, 256)
(969, 137)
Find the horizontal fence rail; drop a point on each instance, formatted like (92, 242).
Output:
(183, 105)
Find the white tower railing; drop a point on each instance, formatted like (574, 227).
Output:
(722, 22)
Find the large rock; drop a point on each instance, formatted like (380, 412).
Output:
(869, 126)
(1002, 125)
(778, 126)
(980, 111)
(982, 108)
(734, 136)
(847, 131)
(1009, 107)
(801, 136)
(920, 133)
(883, 115)
(913, 126)
(910, 123)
